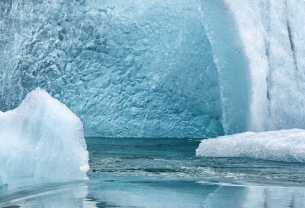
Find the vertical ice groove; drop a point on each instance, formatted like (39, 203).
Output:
(290, 37)
(232, 65)
(264, 9)
(222, 98)
(251, 31)
(272, 39)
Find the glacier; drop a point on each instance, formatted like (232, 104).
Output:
(42, 139)
(273, 40)
(283, 145)
(125, 71)
(201, 68)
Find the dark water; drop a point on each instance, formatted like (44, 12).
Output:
(165, 173)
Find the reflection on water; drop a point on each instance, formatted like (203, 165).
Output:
(64, 194)
(164, 173)
(157, 194)
(192, 194)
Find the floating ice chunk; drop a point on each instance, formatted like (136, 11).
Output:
(284, 145)
(42, 138)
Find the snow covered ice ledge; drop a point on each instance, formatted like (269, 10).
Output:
(283, 145)
(42, 138)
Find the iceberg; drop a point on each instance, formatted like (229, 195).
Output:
(283, 145)
(42, 139)
(127, 68)
(141, 68)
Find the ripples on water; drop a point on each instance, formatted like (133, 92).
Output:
(165, 173)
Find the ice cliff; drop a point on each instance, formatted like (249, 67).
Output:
(173, 68)
(42, 138)
(126, 68)
(273, 40)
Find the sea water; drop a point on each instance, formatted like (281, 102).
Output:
(138, 172)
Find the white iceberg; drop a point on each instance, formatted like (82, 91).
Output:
(284, 145)
(42, 138)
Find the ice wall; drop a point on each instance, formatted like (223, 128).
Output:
(262, 52)
(159, 68)
(273, 40)
(42, 138)
(126, 68)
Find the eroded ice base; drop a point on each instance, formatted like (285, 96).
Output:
(42, 138)
(284, 145)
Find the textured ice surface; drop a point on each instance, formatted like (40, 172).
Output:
(42, 138)
(284, 145)
(172, 68)
(273, 40)
(126, 68)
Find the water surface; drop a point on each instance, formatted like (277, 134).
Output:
(165, 173)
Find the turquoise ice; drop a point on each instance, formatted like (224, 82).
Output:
(42, 139)
(159, 69)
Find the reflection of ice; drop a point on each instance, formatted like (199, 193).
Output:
(208, 194)
(157, 194)
(3, 178)
(49, 195)
(274, 197)
(154, 194)
(3, 189)
(150, 194)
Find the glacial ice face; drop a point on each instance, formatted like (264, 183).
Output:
(260, 62)
(273, 39)
(42, 138)
(126, 68)
(283, 145)
(159, 68)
